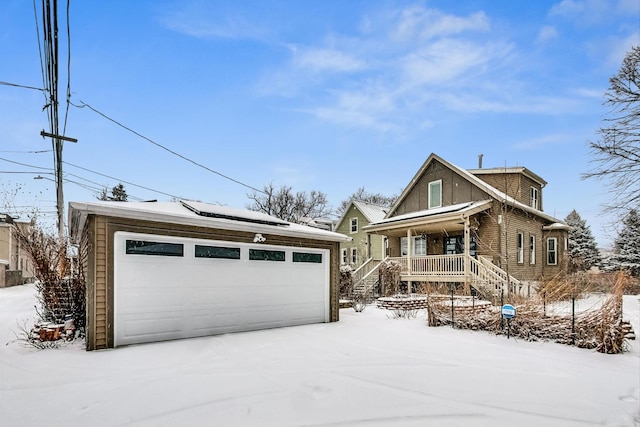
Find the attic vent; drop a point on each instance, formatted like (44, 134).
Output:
(224, 212)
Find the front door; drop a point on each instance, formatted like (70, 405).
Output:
(455, 245)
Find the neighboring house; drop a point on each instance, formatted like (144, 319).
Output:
(363, 246)
(168, 270)
(15, 265)
(483, 227)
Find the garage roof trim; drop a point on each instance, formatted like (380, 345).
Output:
(222, 217)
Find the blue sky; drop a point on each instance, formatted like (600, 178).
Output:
(327, 96)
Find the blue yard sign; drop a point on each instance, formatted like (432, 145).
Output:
(508, 311)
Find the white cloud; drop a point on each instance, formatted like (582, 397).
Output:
(425, 24)
(546, 33)
(594, 12)
(326, 60)
(444, 61)
(203, 20)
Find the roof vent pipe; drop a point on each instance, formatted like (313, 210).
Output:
(480, 161)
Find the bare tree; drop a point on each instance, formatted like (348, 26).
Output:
(284, 203)
(617, 151)
(362, 195)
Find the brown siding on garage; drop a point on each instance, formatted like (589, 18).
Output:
(100, 332)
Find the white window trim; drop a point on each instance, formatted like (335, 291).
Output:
(535, 198)
(354, 256)
(432, 184)
(351, 223)
(555, 250)
(344, 256)
(415, 245)
(520, 245)
(532, 249)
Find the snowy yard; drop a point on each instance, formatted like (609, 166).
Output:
(366, 370)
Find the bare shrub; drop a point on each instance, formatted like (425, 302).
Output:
(60, 283)
(602, 329)
(390, 277)
(346, 281)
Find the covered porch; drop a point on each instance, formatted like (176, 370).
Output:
(439, 246)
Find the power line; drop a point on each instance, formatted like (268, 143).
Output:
(25, 152)
(24, 164)
(66, 112)
(22, 86)
(121, 180)
(165, 148)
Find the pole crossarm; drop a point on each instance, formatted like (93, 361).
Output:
(64, 138)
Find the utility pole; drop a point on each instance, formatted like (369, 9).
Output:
(50, 31)
(57, 143)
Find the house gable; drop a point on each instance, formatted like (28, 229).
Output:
(364, 244)
(517, 182)
(456, 188)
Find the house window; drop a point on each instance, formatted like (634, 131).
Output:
(354, 225)
(265, 255)
(217, 252)
(520, 247)
(307, 257)
(344, 256)
(532, 249)
(435, 194)
(141, 247)
(535, 196)
(354, 255)
(552, 251)
(454, 245)
(420, 245)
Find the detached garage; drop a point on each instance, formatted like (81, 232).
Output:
(160, 271)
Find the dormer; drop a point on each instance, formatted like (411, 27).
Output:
(517, 182)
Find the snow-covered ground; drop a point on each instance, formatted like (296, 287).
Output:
(366, 370)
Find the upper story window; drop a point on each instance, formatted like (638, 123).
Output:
(435, 194)
(354, 225)
(552, 251)
(535, 198)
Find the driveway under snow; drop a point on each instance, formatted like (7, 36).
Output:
(366, 370)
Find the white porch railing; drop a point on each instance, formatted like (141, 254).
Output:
(364, 269)
(483, 274)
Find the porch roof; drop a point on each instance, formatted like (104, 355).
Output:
(447, 216)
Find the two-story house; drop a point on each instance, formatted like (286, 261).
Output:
(363, 246)
(484, 228)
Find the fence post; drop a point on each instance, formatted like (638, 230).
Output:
(453, 325)
(573, 320)
(501, 304)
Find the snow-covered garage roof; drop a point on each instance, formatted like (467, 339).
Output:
(196, 214)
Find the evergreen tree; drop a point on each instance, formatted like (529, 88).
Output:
(627, 245)
(583, 252)
(118, 194)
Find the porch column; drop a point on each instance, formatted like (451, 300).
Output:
(467, 257)
(409, 269)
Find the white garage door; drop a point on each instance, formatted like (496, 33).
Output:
(169, 287)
